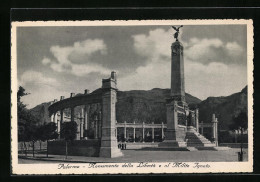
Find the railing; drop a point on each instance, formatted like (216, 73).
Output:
(142, 126)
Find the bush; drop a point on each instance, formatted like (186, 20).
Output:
(225, 137)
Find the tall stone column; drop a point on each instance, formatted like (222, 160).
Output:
(86, 119)
(52, 118)
(125, 131)
(55, 119)
(197, 119)
(81, 124)
(72, 115)
(162, 130)
(99, 124)
(213, 127)
(61, 116)
(109, 146)
(96, 126)
(175, 136)
(177, 72)
(78, 120)
(61, 122)
(134, 134)
(143, 131)
(153, 133)
(216, 131)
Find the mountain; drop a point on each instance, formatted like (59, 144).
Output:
(139, 105)
(145, 106)
(150, 106)
(41, 112)
(225, 108)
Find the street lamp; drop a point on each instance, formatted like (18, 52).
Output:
(240, 154)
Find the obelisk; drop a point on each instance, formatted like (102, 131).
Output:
(174, 134)
(177, 72)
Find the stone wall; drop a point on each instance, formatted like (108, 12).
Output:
(88, 148)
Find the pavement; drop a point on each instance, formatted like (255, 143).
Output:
(142, 155)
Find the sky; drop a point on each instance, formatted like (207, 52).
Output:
(55, 61)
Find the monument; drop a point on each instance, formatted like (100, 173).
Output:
(102, 121)
(109, 146)
(175, 135)
(182, 122)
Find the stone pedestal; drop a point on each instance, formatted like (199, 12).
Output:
(109, 146)
(174, 135)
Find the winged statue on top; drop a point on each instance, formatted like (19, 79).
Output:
(177, 29)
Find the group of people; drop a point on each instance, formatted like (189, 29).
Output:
(122, 146)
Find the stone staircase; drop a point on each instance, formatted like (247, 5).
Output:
(195, 139)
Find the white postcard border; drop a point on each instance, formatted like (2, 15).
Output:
(160, 167)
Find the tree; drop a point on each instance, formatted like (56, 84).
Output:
(240, 123)
(47, 132)
(69, 132)
(32, 135)
(27, 129)
(27, 123)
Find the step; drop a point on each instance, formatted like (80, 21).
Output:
(198, 141)
(194, 139)
(213, 148)
(201, 145)
(192, 149)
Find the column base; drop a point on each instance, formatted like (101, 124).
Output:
(172, 144)
(110, 152)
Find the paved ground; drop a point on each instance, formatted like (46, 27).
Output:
(144, 156)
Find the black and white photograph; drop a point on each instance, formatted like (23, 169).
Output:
(109, 97)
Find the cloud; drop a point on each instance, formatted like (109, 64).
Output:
(36, 78)
(202, 81)
(41, 88)
(210, 66)
(157, 43)
(213, 79)
(202, 50)
(147, 77)
(81, 70)
(69, 58)
(213, 50)
(41, 94)
(234, 50)
(46, 61)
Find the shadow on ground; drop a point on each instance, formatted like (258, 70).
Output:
(160, 149)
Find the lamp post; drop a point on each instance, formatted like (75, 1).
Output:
(240, 154)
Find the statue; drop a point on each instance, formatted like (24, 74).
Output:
(177, 32)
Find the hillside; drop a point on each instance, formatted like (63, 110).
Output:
(224, 108)
(139, 105)
(41, 112)
(149, 106)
